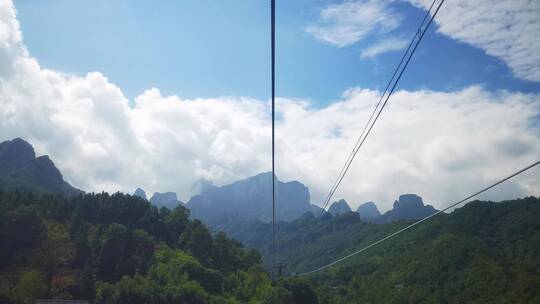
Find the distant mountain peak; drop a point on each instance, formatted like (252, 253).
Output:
(339, 207)
(408, 201)
(140, 193)
(407, 207)
(250, 199)
(165, 199)
(368, 210)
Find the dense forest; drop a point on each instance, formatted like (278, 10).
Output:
(120, 249)
(484, 252)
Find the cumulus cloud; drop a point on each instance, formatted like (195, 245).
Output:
(10, 39)
(505, 29)
(383, 46)
(351, 21)
(437, 144)
(441, 145)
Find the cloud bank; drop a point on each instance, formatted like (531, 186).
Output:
(441, 145)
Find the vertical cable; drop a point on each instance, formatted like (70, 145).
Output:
(273, 38)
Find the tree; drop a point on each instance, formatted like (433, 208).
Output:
(175, 223)
(112, 252)
(197, 240)
(31, 285)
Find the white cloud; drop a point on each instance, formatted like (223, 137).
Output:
(506, 29)
(387, 45)
(351, 21)
(442, 145)
(10, 38)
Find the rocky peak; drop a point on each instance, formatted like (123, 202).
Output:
(368, 210)
(140, 193)
(250, 199)
(407, 207)
(15, 153)
(165, 199)
(408, 201)
(339, 207)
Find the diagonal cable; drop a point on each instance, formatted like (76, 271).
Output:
(421, 221)
(369, 124)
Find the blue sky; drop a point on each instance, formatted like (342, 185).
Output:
(150, 94)
(204, 49)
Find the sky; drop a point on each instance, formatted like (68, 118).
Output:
(161, 95)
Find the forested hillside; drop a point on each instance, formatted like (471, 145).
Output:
(484, 252)
(119, 249)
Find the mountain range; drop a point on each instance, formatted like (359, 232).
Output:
(406, 207)
(217, 206)
(250, 199)
(118, 248)
(483, 252)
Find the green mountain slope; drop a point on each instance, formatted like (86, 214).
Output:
(119, 249)
(484, 252)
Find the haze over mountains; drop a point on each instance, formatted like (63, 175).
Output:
(339, 207)
(368, 210)
(140, 193)
(250, 199)
(407, 207)
(146, 248)
(217, 206)
(158, 199)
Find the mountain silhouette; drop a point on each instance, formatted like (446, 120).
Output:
(21, 169)
(368, 210)
(165, 199)
(407, 207)
(250, 199)
(339, 207)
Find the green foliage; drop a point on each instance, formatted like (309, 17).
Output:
(196, 239)
(301, 290)
(278, 295)
(119, 249)
(31, 285)
(484, 252)
(250, 284)
(21, 230)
